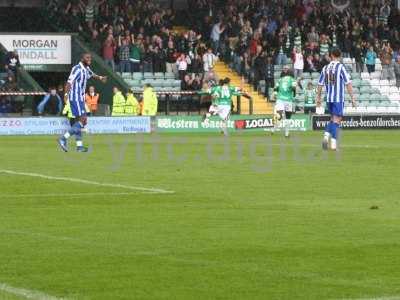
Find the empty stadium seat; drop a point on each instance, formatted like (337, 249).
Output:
(365, 90)
(169, 76)
(394, 90)
(159, 75)
(135, 83)
(384, 82)
(377, 97)
(376, 75)
(148, 75)
(355, 75)
(356, 82)
(158, 83)
(365, 83)
(365, 75)
(168, 83)
(137, 75)
(364, 97)
(385, 89)
(375, 83)
(375, 90)
(147, 81)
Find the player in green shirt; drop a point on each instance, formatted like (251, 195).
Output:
(222, 102)
(285, 92)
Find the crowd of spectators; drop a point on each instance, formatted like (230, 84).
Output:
(137, 36)
(255, 35)
(131, 36)
(252, 35)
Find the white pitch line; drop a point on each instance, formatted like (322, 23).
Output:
(84, 181)
(374, 298)
(72, 195)
(27, 294)
(316, 145)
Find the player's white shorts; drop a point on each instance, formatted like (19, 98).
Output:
(223, 111)
(284, 106)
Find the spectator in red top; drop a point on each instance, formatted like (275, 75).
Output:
(109, 51)
(300, 11)
(253, 45)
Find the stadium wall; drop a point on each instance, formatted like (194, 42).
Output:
(188, 124)
(58, 125)
(128, 125)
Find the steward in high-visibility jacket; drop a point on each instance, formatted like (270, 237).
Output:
(118, 108)
(131, 105)
(68, 112)
(92, 100)
(150, 101)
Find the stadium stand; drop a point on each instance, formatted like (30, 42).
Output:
(243, 33)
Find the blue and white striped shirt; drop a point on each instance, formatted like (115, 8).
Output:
(334, 77)
(78, 79)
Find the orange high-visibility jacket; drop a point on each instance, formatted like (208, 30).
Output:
(92, 101)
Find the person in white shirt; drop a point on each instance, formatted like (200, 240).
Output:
(216, 32)
(209, 60)
(298, 64)
(182, 65)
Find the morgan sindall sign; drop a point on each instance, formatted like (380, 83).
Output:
(39, 49)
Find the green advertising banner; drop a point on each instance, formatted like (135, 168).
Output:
(236, 122)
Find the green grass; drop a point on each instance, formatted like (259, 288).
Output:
(271, 219)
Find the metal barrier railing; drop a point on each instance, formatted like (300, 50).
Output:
(166, 99)
(22, 93)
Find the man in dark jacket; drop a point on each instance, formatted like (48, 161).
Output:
(12, 63)
(51, 104)
(259, 69)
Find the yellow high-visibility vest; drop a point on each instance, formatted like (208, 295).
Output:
(150, 102)
(67, 110)
(118, 107)
(131, 105)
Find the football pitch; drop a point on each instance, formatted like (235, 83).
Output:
(200, 216)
